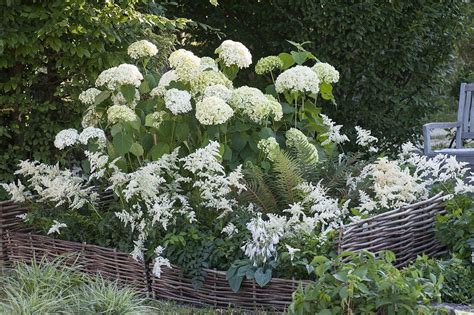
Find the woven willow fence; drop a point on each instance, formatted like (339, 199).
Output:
(408, 232)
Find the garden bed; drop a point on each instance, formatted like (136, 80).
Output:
(407, 231)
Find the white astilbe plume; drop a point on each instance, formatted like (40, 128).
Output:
(55, 227)
(365, 139)
(98, 163)
(214, 185)
(60, 187)
(159, 262)
(18, 192)
(334, 133)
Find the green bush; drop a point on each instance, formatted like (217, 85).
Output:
(366, 285)
(50, 51)
(394, 56)
(458, 284)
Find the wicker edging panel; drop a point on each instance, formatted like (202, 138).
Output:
(91, 259)
(408, 231)
(215, 291)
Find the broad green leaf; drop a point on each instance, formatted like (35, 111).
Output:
(122, 143)
(235, 282)
(263, 277)
(326, 91)
(158, 150)
(227, 156)
(101, 97)
(287, 59)
(128, 92)
(136, 149)
(299, 57)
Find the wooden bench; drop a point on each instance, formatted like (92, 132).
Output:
(464, 128)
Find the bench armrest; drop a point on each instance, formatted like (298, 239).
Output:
(440, 125)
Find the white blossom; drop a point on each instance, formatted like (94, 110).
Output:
(93, 133)
(142, 49)
(120, 113)
(114, 77)
(208, 78)
(269, 147)
(334, 133)
(255, 105)
(218, 90)
(66, 138)
(55, 227)
(207, 63)
(213, 110)
(88, 96)
(178, 101)
(159, 262)
(119, 99)
(326, 72)
(234, 53)
(292, 251)
(185, 64)
(299, 79)
(365, 139)
(18, 192)
(164, 82)
(230, 229)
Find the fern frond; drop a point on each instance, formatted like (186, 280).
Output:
(288, 175)
(258, 191)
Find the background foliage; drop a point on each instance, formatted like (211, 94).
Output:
(395, 57)
(50, 51)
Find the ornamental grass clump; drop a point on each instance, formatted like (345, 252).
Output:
(208, 174)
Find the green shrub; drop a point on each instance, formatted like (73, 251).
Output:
(394, 56)
(51, 50)
(366, 285)
(458, 284)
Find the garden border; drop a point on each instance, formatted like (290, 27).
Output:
(407, 231)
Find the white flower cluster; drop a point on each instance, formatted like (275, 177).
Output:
(91, 118)
(334, 133)
(268, 64)
(142, 49)
(155, 119)
(55, 227)
(207, 63)
(115, 77)
(213, 110)
(93, 133)
(88, 96)
(208, 78)
(159, 262)
(269, 147)
(326, 73)
(218, 90)
(365, 139)
(234, 53)
(120, 113)
(164, 82)
(262, 247)
(178, 101)
(66, 138)
(230, 229)
(98, 162)
(185, 64)
(17, 192)
(299, 79)
(57, 186)
(257, 106)
(210, 178)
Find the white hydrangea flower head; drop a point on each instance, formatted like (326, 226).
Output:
(91, 117)
(185, 64)
(334, 134)
(299, 79)
(234, 53)
(269, 147)
(119, 99)
(208, 78)
(326, 72)
(218, 90)
(142, 49)
(88, 96)
(178, 101)
(66, 138)
(268, 64)
(253, 103)
(120, 113)
(93, 133)
(164, 82)
(213, 110)
(207, 63)
(55, 227)
(115, 77)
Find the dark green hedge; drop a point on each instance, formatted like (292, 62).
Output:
(395, 57)
(49, 52)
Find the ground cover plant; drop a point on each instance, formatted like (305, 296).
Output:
(208, 174)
